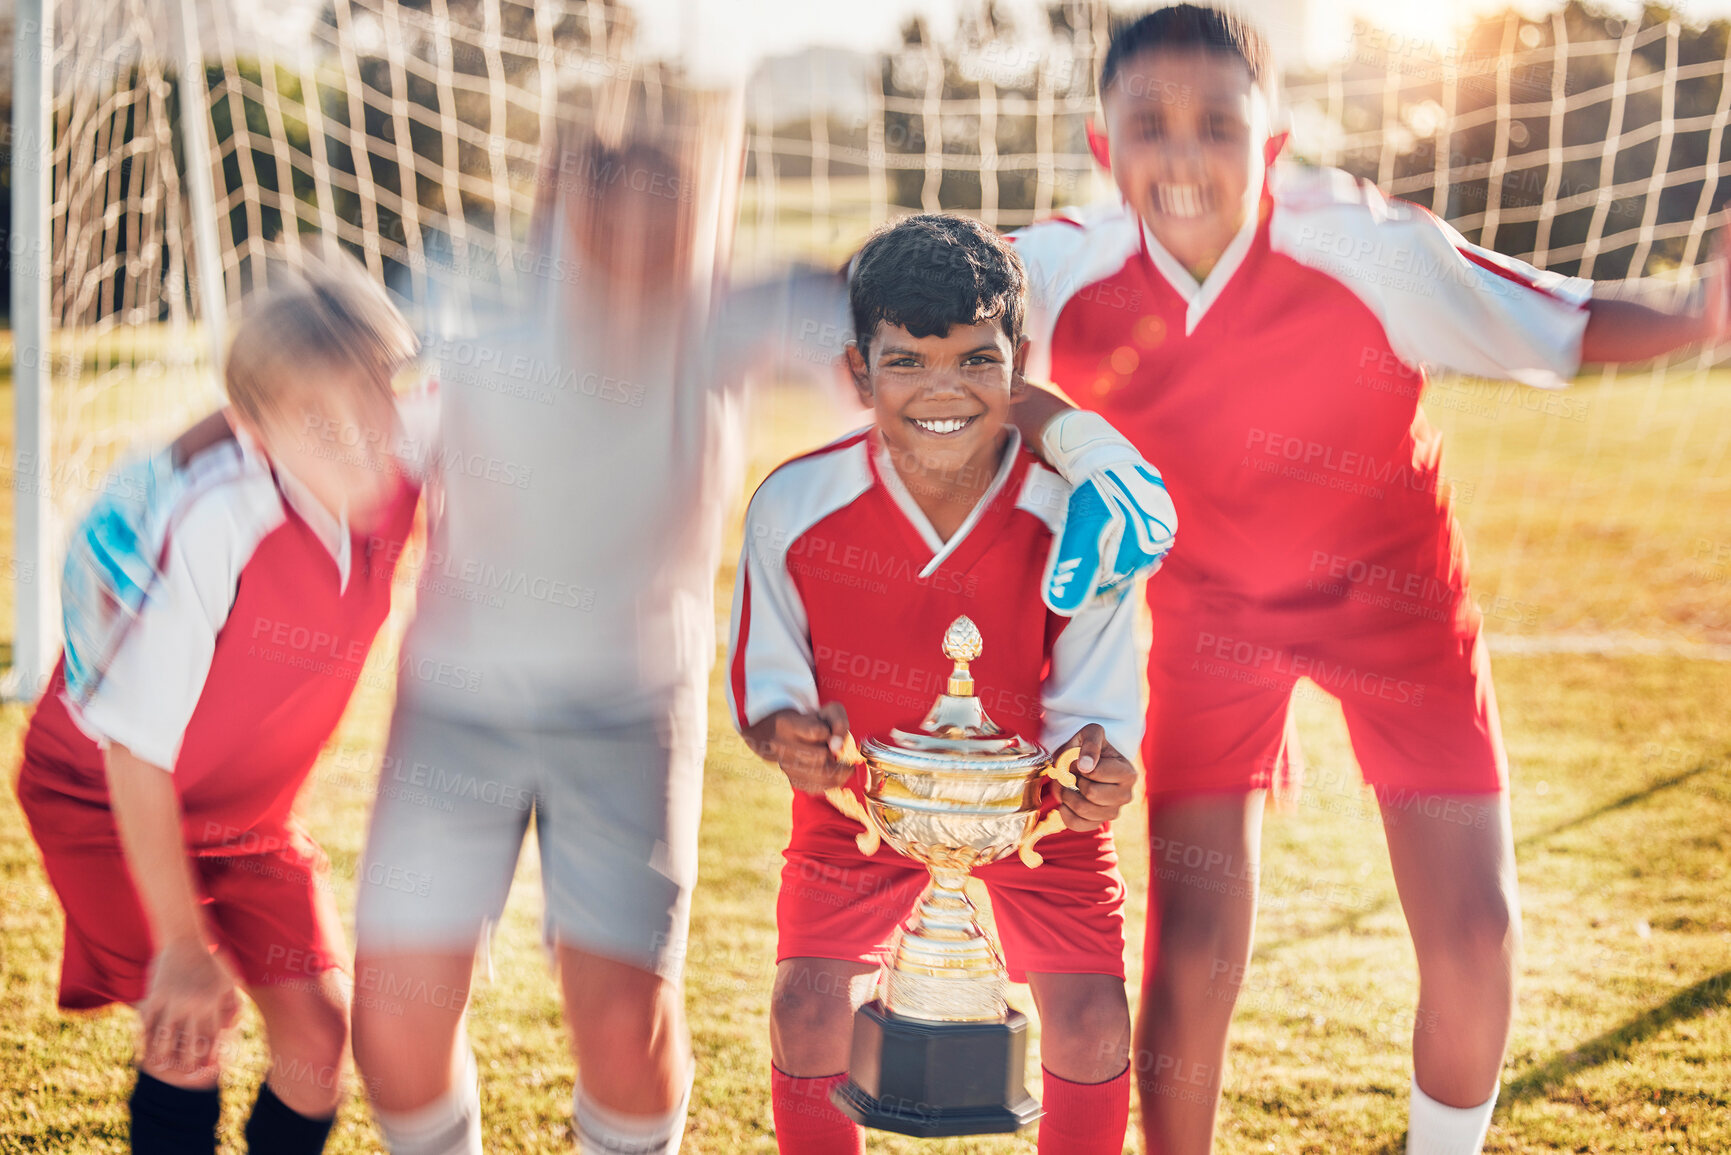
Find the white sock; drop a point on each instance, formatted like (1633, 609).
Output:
(604, 1131)
(1435, 1128)
(449, 1125)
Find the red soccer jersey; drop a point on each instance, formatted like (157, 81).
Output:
(844, 593)
(1279, 397)
(237, 671)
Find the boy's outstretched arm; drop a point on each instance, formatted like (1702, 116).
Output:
(1120, 522)
(190, 998)
(1630, 331)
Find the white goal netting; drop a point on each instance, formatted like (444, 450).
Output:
(189, 139)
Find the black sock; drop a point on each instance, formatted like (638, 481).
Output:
(277, 1129)
(169, 1120)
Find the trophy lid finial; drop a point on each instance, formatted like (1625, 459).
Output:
(962, 641)
(962, 644)
(958, 713)
(957, 724)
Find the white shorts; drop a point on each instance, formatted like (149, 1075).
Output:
(616, 810)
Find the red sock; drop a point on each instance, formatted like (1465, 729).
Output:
(807, 1123)
(1084, 1118)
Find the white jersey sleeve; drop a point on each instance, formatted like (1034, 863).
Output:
(1095, 676)
(1442, 301)
(153, 683)
(770, 663)
(1064, 256)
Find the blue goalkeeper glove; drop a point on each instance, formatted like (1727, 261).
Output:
(1120, 522)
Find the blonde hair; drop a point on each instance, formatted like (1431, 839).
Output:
(319, 319)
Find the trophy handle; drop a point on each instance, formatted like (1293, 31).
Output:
(846, 801)
(1052, 822)
(1038, 828)
(1060, 768)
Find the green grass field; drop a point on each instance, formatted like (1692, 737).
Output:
(1608, 517)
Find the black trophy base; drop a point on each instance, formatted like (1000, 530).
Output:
(932, 1080)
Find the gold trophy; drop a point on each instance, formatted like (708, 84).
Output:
(941, 1052)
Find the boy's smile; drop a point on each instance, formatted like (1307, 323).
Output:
(1186, 131)
(944, 426)
(941, 404)
(1185, 201)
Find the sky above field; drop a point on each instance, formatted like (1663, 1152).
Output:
(725, 38)
(1300, 28)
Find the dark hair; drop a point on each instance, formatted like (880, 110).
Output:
(928, 272)
(1196, 27)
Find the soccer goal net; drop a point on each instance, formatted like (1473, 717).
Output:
(185, 140)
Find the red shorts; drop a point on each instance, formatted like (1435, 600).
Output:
(1064, 917)
(271, 913)
(1416, 693)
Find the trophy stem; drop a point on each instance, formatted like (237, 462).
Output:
(945, 905)
(945, 967)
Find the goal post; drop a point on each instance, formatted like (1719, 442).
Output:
(106, 326)
(34, 605)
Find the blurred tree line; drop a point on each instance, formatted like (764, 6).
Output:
(360, 136)
(1031, 86)
(989, 56)
(1425, 120)
(990, 59)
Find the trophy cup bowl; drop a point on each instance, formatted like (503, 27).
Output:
(942, 1052)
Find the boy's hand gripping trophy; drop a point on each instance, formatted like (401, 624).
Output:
(942, 1052)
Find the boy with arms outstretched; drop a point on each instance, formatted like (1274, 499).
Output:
(1262, 332)
(857, 558)
(220, 601)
